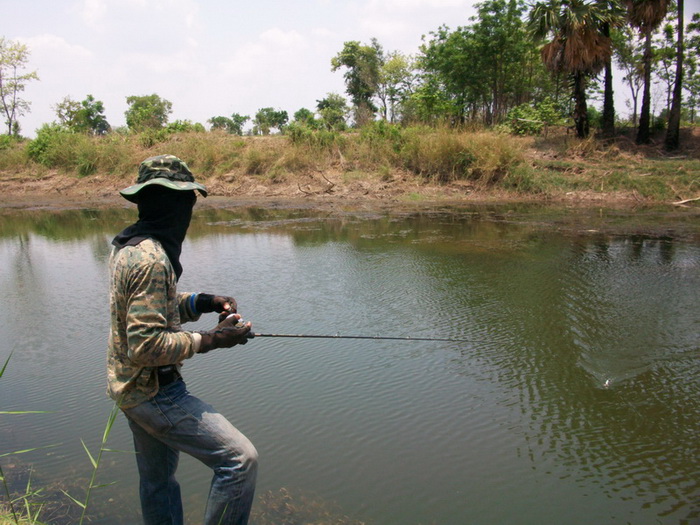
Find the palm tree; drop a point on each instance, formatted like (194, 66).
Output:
(577, 46)
(646, 15)
(615, 19)
(674, 117)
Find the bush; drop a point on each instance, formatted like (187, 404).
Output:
(437, 154)
(525, 120)
(302, 135)
(529, 119)
(447, 155)
(40, 149)
(58, 148)
(6, 141)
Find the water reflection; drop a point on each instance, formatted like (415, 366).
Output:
(579, 382)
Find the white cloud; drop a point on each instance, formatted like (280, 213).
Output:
(399, 24)
(145, 18)
(273, 50)
(93, 12)
(50, 48)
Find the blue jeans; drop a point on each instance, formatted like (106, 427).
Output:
(175, 421)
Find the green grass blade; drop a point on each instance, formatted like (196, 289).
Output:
(6, 412)
(110, 422)
(2, 371)
(104, 485)
(92, 460)
(27, 450)
(80, 503)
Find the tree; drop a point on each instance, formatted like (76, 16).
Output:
(147, 112)
(13, 59)
(305, 117)
(503, 54)
(333, 110)
(395, 84)
(577, 47)
(480, 71)
(646, 15)
(362, 63)
(674, 118)
(692, 66)
(233, 125)
(84, 117)
(628, 51)
(614, 20)
(267, 118)
(66, 111)
(451, 84)
(664, 55)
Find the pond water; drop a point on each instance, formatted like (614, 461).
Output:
(574, 398)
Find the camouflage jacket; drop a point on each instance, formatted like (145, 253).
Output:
(146, 311)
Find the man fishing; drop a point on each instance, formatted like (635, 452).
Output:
(147, 347)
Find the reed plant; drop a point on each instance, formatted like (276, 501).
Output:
(25, 508)
(22, 508)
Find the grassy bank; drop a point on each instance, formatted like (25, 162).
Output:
(377, 157)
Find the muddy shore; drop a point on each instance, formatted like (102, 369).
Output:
(55, 190)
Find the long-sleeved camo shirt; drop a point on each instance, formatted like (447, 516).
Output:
(146, 312)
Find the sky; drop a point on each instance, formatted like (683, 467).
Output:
(208, 57)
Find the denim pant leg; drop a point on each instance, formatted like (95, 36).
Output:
(161, 503)
(183, 423)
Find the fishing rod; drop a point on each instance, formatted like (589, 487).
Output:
(252, 335)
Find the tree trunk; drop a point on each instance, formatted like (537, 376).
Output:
(674, 117)
(580, 106)
(608, 102)
(643, 133)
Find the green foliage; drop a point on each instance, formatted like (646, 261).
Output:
(268, 118)
(480, 71)
(184, 126)
(305, 117)
(83, 117)
(147, 112)
(7, 141)
(233, 125)
(333, 110)
(59, 148)
(396, 79)
(48, 139)
(320, 138)
(380, 132)
(529, 119)
(362, 75)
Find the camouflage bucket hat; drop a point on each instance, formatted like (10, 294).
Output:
(164, 170)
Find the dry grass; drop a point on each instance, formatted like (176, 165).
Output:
(377, 160)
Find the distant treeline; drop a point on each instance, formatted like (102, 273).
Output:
(520, 67)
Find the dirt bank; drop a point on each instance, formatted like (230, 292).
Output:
(57, 190)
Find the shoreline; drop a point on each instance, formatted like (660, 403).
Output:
(57, 191)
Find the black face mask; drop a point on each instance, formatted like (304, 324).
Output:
(164, 215)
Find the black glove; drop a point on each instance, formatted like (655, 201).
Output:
(206, 303)
(229, 332)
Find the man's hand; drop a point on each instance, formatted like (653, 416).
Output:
(229, 332)
(206, 303)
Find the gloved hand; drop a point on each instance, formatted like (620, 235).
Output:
(206, 303)
(226, 334)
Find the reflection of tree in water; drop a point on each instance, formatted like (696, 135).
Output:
(618, 313)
